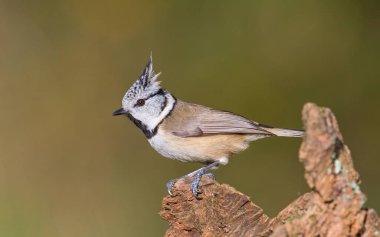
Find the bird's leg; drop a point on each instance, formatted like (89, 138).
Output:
(197, 177)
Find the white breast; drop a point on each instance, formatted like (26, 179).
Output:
(197, 149)
(166, 146)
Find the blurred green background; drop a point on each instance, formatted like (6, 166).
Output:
(68, 168)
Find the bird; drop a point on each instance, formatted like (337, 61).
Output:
(190, 132)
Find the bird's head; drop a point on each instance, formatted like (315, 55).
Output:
(145, 100)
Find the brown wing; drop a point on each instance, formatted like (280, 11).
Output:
(216, 122)
(189, 120)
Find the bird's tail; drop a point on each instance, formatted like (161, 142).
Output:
(285, 132)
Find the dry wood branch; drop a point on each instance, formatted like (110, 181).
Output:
(333, 208)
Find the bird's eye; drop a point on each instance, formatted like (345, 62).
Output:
(140, 102)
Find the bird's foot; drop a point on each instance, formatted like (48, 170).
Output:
(197, 175)
(197, 178)
(194, 184)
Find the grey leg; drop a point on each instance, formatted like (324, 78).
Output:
(197, 177)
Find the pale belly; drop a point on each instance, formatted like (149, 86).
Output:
(202, 149)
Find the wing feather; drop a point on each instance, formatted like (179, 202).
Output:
(191, 120)
(222, 122)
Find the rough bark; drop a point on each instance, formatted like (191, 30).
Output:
(334, 207)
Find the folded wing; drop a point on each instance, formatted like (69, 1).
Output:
(211, 122)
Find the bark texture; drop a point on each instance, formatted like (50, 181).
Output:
(334, 207)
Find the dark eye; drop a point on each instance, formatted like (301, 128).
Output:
(140, 102)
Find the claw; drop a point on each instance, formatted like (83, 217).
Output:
(210, 175)
(169, 186)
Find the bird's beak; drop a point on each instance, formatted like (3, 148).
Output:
(120, 111)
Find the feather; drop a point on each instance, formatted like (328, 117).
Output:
(221, 122)
(191, 120)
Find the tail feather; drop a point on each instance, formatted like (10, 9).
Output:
(285, 132)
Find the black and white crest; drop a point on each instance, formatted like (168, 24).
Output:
(145, 84)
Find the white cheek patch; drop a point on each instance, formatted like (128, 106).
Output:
(152, 123)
